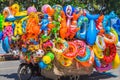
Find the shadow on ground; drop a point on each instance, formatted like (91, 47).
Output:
(104, 75)
(10, 76)
(94, 76)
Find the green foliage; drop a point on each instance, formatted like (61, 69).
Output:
(110, 4)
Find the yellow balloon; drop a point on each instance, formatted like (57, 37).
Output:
(98, 52)
(115, 33)
(116, 62)
(46, 59)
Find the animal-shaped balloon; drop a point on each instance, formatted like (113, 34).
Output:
(116, 26)
(68, 12)
(91, 31)
(8, 14)
(107, 21)
(32, 28)
(47, 9)
(82, 24)
(8, 32)
(44, 24)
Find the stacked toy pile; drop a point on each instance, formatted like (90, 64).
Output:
(64, 34)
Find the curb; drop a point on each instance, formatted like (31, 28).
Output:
(8, 57)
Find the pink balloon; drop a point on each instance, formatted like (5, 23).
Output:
(44, 8)
(31, 9)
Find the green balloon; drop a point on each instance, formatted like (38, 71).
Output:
(51, 55)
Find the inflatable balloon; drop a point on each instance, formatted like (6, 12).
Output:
(86, 57)
(82, 24)
(116, 61)
(31, 9)
(107, 22)
(8, 14)
(6, 45)
(91, 31)
(1, 22)
(42, 65)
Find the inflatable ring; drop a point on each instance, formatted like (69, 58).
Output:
(71, 52)
(104, 68)
(47, 44)
(115, 33)
(97, 62)
(81, 34)
(65, 61)
(65, 46)
(109, 38)
(100, 42)
(81, 47)
(98, 52)
(90, 61)
(116, 62)
(86, 57)
(111, 48)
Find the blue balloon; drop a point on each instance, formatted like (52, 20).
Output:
(97, 62)
(1, 35)
(91, 31)
(24, 50)
(10, 19)
(93, 17)
(44, 23)
(5, 45)
(82, 24)
(86, 57)
(116, 26)
(42, 65)
(66, 8)
(107, 21)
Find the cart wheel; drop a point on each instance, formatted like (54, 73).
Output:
(24, 72)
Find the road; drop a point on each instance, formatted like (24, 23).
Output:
(8, 71)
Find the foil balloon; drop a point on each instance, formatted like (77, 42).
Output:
(91, 31)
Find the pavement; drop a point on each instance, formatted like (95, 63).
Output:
(8, 71)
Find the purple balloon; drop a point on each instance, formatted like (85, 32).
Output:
(31, 9)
